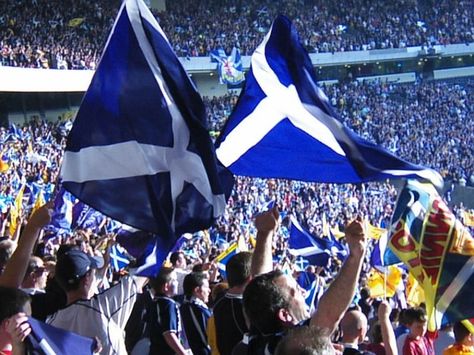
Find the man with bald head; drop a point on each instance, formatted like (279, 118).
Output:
(354, 329)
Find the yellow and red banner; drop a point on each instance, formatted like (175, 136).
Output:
(438, 251)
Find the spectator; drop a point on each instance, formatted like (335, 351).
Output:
(195, 312)
(228, 311)
(163, 317)
(354, 330)
(14, 307)
(464, 341)
(36, 276)
(179, 263)
(274, 303)
(103, 315)
(417, 341)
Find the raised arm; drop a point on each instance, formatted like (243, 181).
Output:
(267, 224)
(16, 267)
(339, 295)
(388, 335)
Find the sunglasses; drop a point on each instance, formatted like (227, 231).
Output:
(40, 270)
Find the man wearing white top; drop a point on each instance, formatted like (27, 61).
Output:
(102, 316)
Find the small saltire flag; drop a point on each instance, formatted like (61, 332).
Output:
(139, 151)
(438, 251)
(301, 243)
(283, 116)
(118, 257)
(48, 340)
(313, 295)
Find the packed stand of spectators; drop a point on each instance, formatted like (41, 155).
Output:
(192, 303)
(71, 34)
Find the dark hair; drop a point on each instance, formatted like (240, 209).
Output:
(305, 340)
(13, 302)
(175, 256)
(238, 269)
(163, 277)
(460, 332)
(262, 301)
(191, 281)
(415, 314)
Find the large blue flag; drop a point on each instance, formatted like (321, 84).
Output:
(139, 151)
(301, 243)
(46, 339)
(284, 126)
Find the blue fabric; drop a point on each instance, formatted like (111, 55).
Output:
(301, 240)
(274, 155)
(44, 336)
(125, 104)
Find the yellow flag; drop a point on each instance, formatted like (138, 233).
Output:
(469, 218)
(3, 166)
(377, 285)
(15, 211)
(375, 232)
(414, 292)
(39, 201)
(76, 21)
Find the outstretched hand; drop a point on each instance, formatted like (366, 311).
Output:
(356, 237)
(42, 216)
(267, 221)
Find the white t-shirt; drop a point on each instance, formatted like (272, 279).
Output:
(103, 316)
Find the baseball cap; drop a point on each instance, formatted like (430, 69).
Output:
(74, 264)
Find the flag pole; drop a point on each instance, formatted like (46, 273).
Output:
(385, 283)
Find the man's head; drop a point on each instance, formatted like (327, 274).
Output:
(165, 283)
(416, 321)
(354, 327)
(36, 274)
(178, 260)
(238, 269)
(462, 335)
(305, 340)
(13, 301)
(75, 271)
(196, 284)
(273, 302)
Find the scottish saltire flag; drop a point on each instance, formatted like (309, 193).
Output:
(313, 295)
(284, 126)
(139, 151)
(438, 251)
(301, 243)
(118, 257)
(48, 340)
(230, 68)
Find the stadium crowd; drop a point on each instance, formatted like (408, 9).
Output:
(403, 118)
(70, 34)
